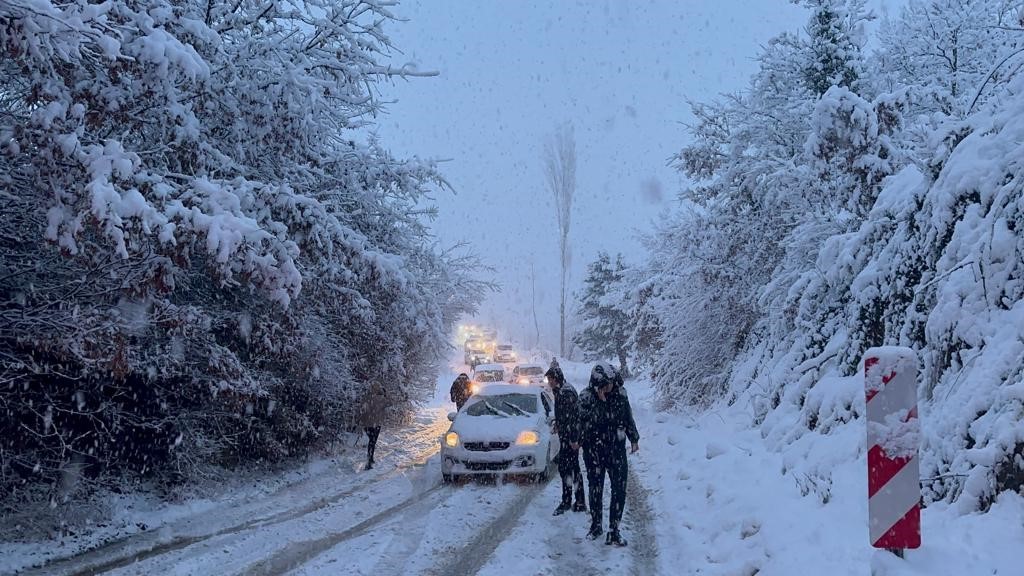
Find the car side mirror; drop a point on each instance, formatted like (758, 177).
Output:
(452, 415)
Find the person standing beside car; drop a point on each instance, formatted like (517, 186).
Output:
(606, 421)
(567, 427)
(372, 412)
(460, 391)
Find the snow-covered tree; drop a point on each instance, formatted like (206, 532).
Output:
(835, 37)
(603, 322)
(203, 258)
(835, 206)
(948, 51)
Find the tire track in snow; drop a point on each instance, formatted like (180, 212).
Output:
(644, 546)
(416, 448)
(298, 554)
(130, 555)
(573, 554)
(475, 554)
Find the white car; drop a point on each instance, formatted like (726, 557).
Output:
(485, 374)
(502, 429)
(505, 353)
(477, 356)
(528, 374)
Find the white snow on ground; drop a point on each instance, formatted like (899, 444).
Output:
(728, 506)
(706, 497)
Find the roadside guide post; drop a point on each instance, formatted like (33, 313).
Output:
(893, 434)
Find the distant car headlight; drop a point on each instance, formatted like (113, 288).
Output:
(474, 388)
(451, 439)
(545, 379)
(523, 381)
(528, 438)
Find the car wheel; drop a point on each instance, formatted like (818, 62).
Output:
(544, 474)
(447, 478)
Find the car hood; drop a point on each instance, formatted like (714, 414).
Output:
(493, 428)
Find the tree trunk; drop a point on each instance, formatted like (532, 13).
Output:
(561, 305)
(533, 298)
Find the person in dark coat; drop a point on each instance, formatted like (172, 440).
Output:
(371, 417)
(460, 391)
(567, 427)
(606, 421)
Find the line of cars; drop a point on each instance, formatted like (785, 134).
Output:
(504, 427)
(481, 346)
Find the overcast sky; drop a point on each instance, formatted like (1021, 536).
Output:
(621, 72)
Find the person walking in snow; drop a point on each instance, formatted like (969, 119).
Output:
(371, 417)
(460, 390)
(606, 421)
(567, 427)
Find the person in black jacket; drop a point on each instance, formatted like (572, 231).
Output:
(606, 421)
(567, 426)
(460, 391)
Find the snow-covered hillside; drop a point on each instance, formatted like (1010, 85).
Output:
(883, 206)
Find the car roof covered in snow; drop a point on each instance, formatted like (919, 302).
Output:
(498, 389)
(489, 368)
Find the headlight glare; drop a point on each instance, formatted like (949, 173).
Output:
(528, 438)
(451, 439)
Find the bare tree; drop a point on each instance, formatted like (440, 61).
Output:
(533, 298)
(560, 170)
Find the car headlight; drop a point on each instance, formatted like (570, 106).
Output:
(451, 439)
(523, 381)
(545, 379)
(474, 388)
(528, 438)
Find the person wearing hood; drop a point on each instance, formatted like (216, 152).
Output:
(567, 426)
(460, 391)
(606, 421)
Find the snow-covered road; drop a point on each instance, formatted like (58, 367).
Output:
(395, 519)
(705, 497)
(335, 497)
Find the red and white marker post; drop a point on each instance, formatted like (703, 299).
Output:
(894, 485)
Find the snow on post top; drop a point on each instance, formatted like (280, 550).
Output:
(881, 361)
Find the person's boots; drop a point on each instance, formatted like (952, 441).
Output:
(562, 509)
(579, 506)
(595, 532)
(614, 538)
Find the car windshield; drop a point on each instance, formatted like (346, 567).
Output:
(503, 405)
(489, 376)
(506, 348)
(531, 371)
